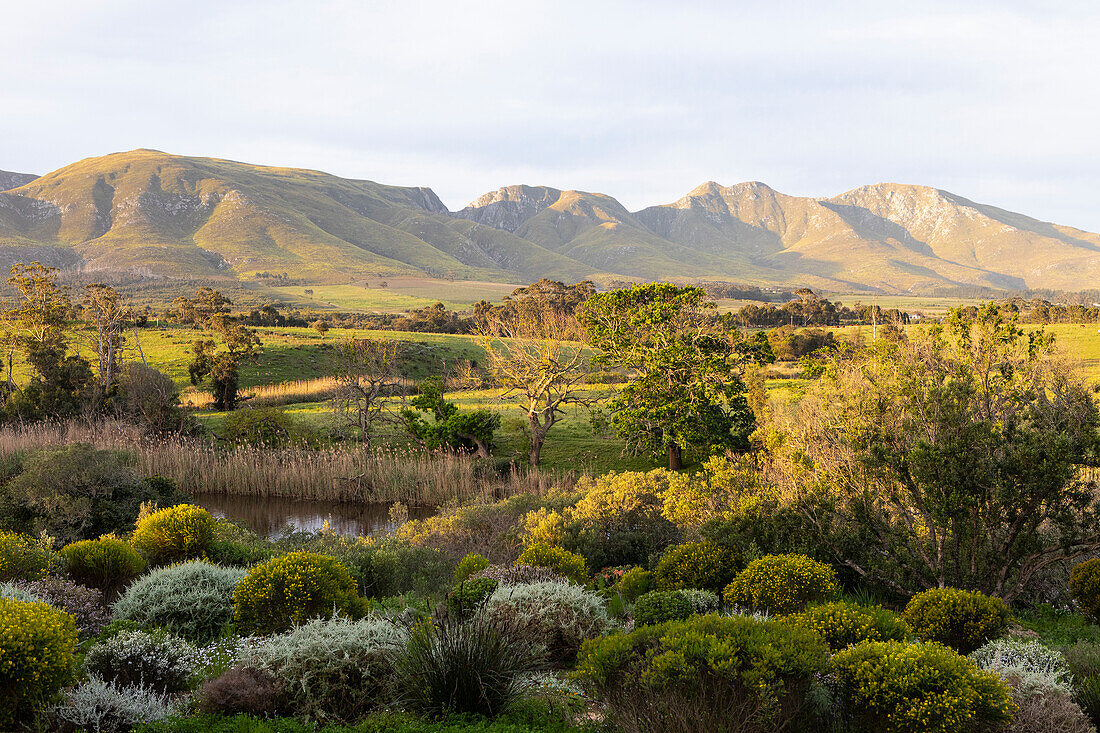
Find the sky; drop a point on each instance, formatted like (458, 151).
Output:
(998, 102)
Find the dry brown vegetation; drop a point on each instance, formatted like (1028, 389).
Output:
(332, 474)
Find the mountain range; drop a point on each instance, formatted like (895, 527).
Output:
(153, 214)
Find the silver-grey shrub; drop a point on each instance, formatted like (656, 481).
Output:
(107, 707)
(158, 660)
(702, 601)
(1029, 661)
(558, 615)
(335, 669)
(193, 599)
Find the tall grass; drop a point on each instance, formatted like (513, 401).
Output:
(332, 474)
(271, 395)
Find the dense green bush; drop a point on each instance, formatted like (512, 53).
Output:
(467, 566)
(107, 563)
(178, 533)
(474, 666)
(291, 589)
(782, 584)
(332, 669)
(193, 600)
(78, 493)
(36, 657)
(1084, 583)
(470, 595)
(617, 521)
(963, 620)
(1083, 659)
(636, 582)
(659, 606)
(842, 624)
(894, 687)
(267, 427)
(23, 557)
(377, 723)
(157, 660)
(704, 565)
(557, 615)
(567, 564)
(703, 674)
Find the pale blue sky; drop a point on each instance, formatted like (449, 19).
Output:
(997, 101)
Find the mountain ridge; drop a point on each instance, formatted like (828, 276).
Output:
(160, 215)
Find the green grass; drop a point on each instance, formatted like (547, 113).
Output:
(398, 296)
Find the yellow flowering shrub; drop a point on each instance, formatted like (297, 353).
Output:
(178, 533)
(963, 620)
(705, 565)
(722, 485)
(842, 624)
(23, 557)
(782, 584)
(36, 657)
(636, 582)
(107, 563)
(566, 564)
(291, 589)
(894, 687)
(1084, 583)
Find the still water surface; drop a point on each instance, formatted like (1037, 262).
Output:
(271, 517)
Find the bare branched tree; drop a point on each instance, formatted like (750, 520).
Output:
(366, 375)
(541, 373)
(107, 313)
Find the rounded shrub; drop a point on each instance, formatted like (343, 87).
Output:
(702, 601)
(782, 584)
(894, 687)
(557, 615)
(563, 562)
(156, 660)
(193, 599)
(19, 592)
(1084, 583)
(175, 534)
(468, 596)
(636, 582)
(23, 557)
(244, 690)
(703, 674)
(291, 589)
(467, 566)
(659, 606)
(1026, 657)
(107, 563)
(36, 657)
(842, 624)
(961, 619)
(84, 604)
(517, 574)
(333, 669)
(705, 565)
(108, 707)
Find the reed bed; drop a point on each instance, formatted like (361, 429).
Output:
(408, 476)
(271, 395)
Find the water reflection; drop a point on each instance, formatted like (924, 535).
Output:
(270, 517)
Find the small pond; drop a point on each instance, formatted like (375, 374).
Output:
(269, 517)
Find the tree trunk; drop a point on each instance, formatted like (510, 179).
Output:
(538, 437)
(675, 460)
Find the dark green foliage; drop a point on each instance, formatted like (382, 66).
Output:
(1083, 660)
(79, 492)
(470, 430)
(473, 666)
(703, 565)
(469, 595)
(686, 392)
(659, 606)
(963, 620)
(379, 723)
(703, 674)
(265, 426)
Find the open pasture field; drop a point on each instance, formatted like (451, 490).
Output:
(398, 295)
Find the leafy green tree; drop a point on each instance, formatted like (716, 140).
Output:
(951, 458)
(209, 310)
(686, 391)
(470, 430)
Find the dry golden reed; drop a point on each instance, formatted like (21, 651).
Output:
(409, 476)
